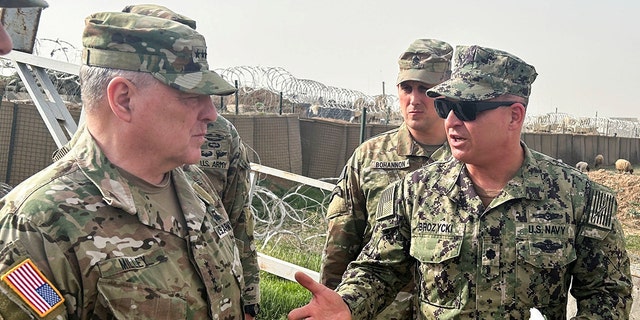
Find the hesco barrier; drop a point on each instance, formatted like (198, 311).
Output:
(313, 147)
(26, 146)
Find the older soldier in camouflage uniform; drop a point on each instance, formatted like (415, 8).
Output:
(6, 44)
(226, 163)
(494, 231)
(384, 159)
(119, 228)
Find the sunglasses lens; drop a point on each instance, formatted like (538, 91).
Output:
(464, 111)
(442, 108)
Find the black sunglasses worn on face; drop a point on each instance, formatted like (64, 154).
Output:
(466, 110)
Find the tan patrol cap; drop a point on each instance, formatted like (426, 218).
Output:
(427, 61)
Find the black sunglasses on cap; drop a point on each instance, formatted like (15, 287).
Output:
(466, 110)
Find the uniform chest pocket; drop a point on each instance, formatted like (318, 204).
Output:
(442, 279)
(147, 286)
(126, 300)
(541, 267)
(435, 248)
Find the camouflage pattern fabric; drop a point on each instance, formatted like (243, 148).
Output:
(550, 224)
(427, 61)
(171, 51)
(481, 73)
(372, 167)
(155, 10)
(110, 254)
(226, 163)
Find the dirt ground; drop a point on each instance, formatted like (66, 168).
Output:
(627, 187)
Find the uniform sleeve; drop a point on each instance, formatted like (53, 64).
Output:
(601, 276)
(347, 220)
(373, 280)
(24, 251)
(236, 201)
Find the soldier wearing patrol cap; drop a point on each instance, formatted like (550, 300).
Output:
(225, 161)
(119, 227)
(494, 231)
(6, 45)
(385, 158)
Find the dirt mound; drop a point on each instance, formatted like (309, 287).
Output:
(627, 187)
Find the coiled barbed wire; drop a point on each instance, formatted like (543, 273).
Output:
(261, 89)
(255, 80)
(564, 123)
(295, 218)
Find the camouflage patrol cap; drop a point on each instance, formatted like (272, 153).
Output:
(427, 61)
(155, 10)
(483, 73)
(23, 3)
(171, 51)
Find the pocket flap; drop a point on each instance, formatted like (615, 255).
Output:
(435, 248)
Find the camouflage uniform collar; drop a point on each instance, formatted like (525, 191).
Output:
(102, 173)
(528, 182)
(118, 193)
(407, 146)
(525, 184)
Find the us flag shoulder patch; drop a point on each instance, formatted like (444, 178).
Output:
(602, 209)
(33, 287)
(385, 204)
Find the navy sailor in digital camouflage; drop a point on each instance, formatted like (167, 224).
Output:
(385, 158)
(119, 227)
(493, 232)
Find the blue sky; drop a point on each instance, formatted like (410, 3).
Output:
(585, 52)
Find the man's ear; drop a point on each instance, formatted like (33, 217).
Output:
(120, 92)
(518, 113)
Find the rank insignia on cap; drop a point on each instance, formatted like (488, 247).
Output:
(32, 286)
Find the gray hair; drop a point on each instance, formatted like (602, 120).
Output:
(94, 81)
(513, 97)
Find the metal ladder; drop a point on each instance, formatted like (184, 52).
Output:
(31, 69)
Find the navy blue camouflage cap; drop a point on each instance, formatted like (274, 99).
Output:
(483, 73)
(427, 61)
(171, 51)
(23, 3)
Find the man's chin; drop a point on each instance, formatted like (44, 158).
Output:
(193, 158)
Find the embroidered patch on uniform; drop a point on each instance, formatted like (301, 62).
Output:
(214, 164)
(390, 164)
(385, 204)
(223, 228)
(547, 246)
(131, 263)
(601, 209)
(33, 287)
